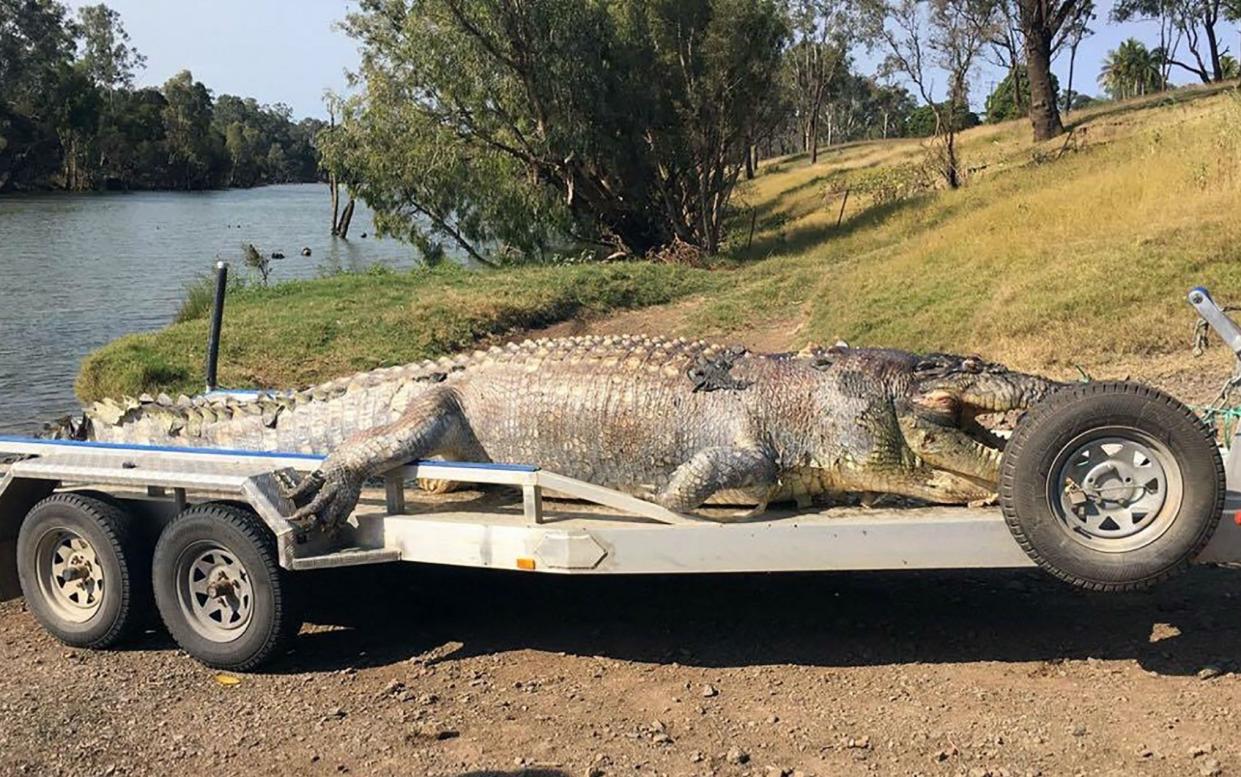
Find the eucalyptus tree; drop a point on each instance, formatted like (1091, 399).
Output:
(107, 57)
(822, 33)
(510, 127)
(923, 37)
(1074, 31)
(1043, 23)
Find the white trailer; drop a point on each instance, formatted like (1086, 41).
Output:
(90, 532)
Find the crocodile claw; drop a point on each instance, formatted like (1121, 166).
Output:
(325, 499)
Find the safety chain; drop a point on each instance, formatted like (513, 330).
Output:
(1219, 414)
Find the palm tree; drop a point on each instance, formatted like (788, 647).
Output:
(1230, 66)
(1130, 70)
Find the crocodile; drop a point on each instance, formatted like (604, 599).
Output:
(679, 422)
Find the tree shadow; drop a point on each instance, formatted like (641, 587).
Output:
(390, 614)
(802, 238)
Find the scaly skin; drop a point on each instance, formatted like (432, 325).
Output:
(678, 422)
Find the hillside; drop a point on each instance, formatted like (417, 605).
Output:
(1077, 251)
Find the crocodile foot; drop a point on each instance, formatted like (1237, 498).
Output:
(325, 498)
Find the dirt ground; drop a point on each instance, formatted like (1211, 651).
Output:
(438, 671)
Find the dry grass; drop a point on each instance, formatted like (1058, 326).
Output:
(1045, 258)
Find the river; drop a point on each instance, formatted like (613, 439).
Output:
(78, 270)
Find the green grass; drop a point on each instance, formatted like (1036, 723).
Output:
(300, 332)
(1046, 258)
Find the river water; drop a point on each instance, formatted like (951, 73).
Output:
(78, 270)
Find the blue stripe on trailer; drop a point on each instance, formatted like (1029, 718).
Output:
(118, 446)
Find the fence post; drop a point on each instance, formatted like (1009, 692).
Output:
(217, 319)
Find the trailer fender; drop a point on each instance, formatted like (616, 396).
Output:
(17, 496)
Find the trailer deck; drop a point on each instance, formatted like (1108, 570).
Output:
(531, 525)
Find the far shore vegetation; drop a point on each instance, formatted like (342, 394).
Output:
(71, 118)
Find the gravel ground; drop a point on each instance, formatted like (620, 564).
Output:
(438, 671)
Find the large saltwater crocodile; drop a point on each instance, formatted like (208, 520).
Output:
(677, 421)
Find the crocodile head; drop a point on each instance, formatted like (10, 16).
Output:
(954, 390)
(938, 421)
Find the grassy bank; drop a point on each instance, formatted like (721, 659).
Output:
(299, 332)
(1074, 251)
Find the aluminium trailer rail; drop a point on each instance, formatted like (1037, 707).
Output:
(613, 533)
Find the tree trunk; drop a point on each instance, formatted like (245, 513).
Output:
(1217, 69)
(334, 188)
(1044, 114)
(812, 139)
(950, 159)
(345, 218)
(1019, 92)
(1068, 93)
(749, 159)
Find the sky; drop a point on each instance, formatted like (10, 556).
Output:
(289, 51)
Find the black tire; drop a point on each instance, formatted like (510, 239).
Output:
(1044, 441)
(226, 535)
(112, 602)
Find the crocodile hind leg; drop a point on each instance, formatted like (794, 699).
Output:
(432, 424)
(716, 469)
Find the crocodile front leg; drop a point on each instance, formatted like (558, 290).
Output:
(431, 424)
(716, 469)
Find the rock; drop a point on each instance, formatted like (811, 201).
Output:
(775, 771)
(363, 234)
(1210, 671)
(859, 743)
(277, 255)
(432, 732)
(1211, 768)
(736, 755)
(1145, 752)
(1079, 730)
(428, 698)
(661, 739)
(306, 251)
(940, 756)
(697, 757)
(336, 712)
(394, 687)
(1198, 750)
(709, 690)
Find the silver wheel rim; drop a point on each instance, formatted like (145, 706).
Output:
(214, 591)
(1115, 489)
(70, 576)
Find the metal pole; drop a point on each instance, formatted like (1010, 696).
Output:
(217, 319)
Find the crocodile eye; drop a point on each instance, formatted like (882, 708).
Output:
(939, 403)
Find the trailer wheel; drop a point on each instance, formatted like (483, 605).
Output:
(1112, 486)
(219, 589)
(83, 568)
